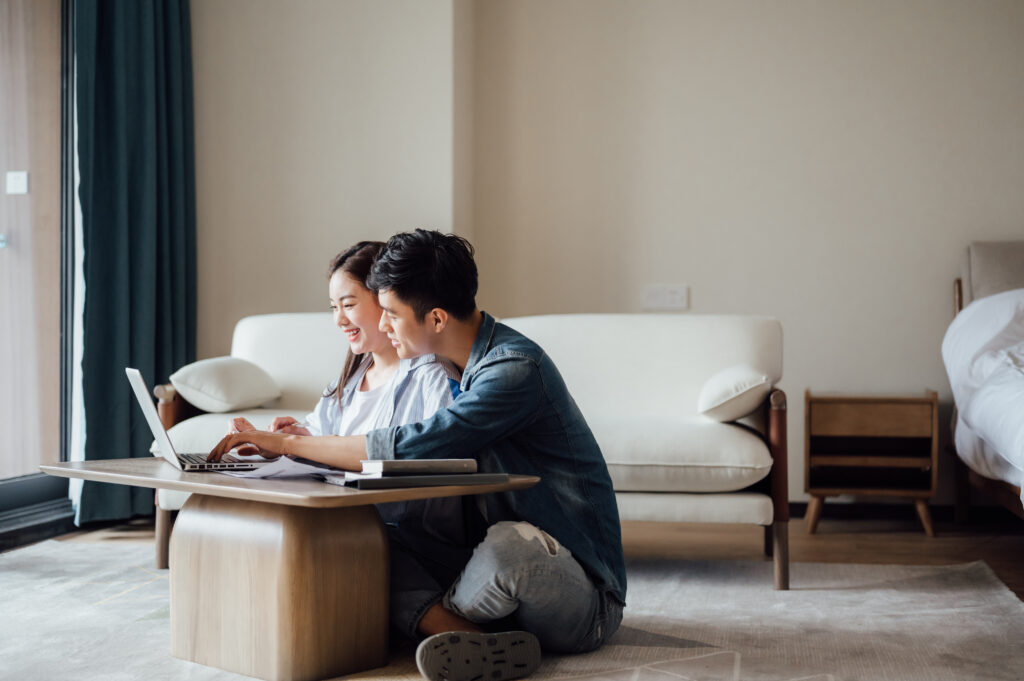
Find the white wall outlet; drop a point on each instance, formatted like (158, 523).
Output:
(17, 182)
(666, 297)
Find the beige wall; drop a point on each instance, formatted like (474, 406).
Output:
(822, 162)
(318, 123)
(463, 141)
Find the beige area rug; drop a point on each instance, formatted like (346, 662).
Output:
(98, 612)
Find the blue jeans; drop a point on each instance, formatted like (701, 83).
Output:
(519, 577)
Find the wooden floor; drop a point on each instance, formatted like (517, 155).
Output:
(1000, 544)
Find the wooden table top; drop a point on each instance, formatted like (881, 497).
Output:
(156, 473)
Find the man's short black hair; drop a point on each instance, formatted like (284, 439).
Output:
(428, 269)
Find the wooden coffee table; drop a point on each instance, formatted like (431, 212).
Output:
(281, 579)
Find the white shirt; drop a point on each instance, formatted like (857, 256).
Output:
(419, 388)
(366, 410)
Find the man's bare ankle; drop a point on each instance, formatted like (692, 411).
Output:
(438, 620)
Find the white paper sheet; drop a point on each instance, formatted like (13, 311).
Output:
(281, 467)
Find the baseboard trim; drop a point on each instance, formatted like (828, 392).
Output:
(36, 522)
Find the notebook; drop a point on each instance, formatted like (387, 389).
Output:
(417, 466)
(183, 462)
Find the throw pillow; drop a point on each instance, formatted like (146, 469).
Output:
(733, 393)
(224, 384)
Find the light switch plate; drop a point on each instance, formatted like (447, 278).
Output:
(17, 182)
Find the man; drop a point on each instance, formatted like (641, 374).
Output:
(551, 560)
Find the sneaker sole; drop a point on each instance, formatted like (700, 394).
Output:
(470, 656)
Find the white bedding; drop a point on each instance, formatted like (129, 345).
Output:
(984, 355)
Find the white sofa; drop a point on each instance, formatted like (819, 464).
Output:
(637, 379)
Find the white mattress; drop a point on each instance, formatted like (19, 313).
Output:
(983, 351)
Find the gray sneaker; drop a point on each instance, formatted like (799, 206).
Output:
(469, 656)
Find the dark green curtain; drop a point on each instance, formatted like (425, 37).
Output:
(137, 190)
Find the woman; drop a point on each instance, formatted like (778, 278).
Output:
(376, 389)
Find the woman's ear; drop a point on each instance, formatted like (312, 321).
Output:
(437, 320)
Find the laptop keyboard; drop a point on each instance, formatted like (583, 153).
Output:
(193, 458)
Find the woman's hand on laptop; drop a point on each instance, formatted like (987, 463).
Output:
(288, 425)
(269, 445)
(282, 424)
(240, 424)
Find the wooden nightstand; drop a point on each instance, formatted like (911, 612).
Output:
(871, 446)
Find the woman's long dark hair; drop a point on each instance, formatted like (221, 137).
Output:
(356, 262)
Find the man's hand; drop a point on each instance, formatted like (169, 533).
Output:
(269, 445)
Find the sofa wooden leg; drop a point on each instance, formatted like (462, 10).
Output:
(769, 541)
(164, 520)
(813, 514)
(780, 535)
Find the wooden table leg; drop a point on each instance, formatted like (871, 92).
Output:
(813, 513)
(162, 539)
(282, 593)
(925, 515)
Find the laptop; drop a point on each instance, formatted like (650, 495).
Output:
(183, 462)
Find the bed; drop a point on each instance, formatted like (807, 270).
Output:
(983, 351)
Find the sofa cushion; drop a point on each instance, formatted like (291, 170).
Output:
(687, 455)
(302, 351)
(737, 507)
(734, 392)
(222, 384)
(608, 369)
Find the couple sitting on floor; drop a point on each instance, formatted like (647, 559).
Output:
(542, 566)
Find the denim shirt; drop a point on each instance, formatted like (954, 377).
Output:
(515, 415)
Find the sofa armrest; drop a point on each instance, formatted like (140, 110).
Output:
(779, 532)
(172, 407)
(777, 445)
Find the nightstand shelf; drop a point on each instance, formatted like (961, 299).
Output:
(871, 446)
(855, 461)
